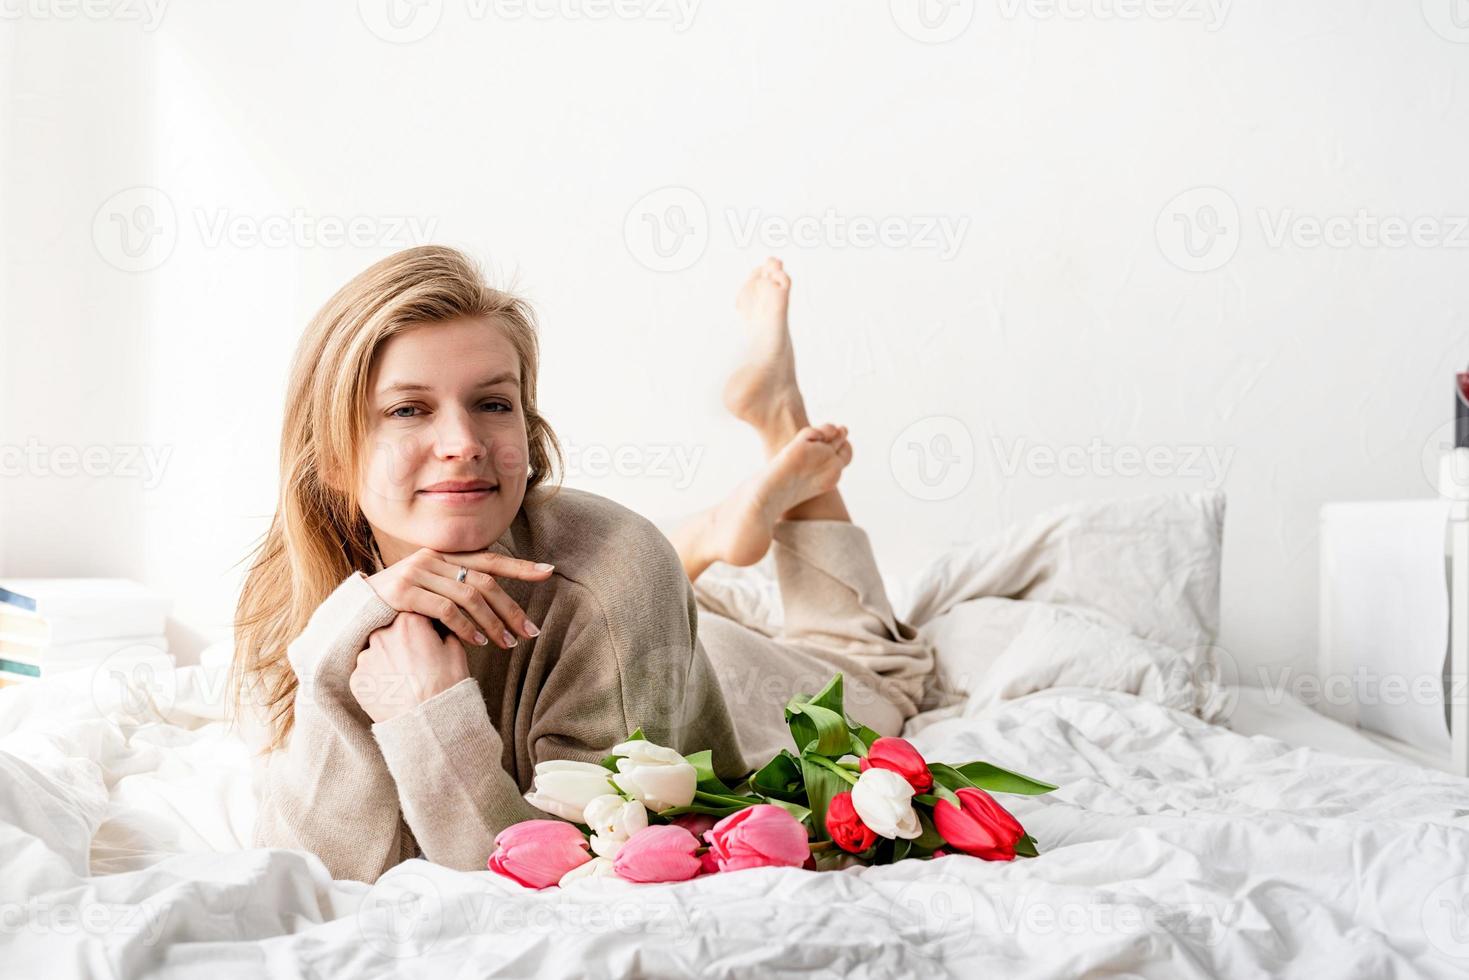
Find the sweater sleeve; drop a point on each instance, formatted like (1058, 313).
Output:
(447, 756)
(455, 794)
(328, 790)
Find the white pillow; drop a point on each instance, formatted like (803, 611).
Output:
(1092, 575)
(1145, 568)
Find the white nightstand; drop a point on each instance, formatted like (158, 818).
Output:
(1394, 579)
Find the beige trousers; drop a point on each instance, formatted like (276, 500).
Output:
(837, 618)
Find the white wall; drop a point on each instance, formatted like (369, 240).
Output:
(1056, 144)
(75, 120)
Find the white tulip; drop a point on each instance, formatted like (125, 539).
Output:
(563, 788)
(598, 867)
(655, 776)
(612, 821)
(884, 801)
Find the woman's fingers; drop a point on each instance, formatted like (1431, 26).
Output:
(433, 603)
(501, 566)
(484, 599)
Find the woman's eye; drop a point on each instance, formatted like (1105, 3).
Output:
(500, 406)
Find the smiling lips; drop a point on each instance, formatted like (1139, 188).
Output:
(460, 492)
(459, 486)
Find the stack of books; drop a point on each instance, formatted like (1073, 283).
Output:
(50, 626)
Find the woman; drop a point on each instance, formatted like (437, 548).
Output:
(428, 617)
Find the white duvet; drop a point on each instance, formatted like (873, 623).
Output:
(1174, 848)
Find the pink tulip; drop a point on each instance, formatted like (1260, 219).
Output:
(662, 852)
(978, 825)
(899, 755)
(761, 836)
(537, 853)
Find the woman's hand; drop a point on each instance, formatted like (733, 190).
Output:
(404, 665)
(476, 610)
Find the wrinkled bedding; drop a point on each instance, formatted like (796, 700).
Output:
(1174, 846)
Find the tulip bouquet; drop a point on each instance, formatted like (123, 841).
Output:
(845, 796)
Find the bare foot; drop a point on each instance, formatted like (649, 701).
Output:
(762, 391)
(739, 529)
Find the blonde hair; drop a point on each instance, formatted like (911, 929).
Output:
(319, 535)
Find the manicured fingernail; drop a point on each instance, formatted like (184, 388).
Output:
(532, 628)
(510, 641)
(543, 566)
(480, 638)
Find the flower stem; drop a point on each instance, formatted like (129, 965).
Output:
(839, 770)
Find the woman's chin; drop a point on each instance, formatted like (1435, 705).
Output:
(463, 534)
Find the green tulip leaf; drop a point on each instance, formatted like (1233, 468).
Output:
(992, 779)
(818, 729)
(780, 777)
(929, 839)
(703, 763)
(830, 697)
(949, 777)
(725, 799)
(697, 807)
(863, 735)
(1025, 847)
(821, 785)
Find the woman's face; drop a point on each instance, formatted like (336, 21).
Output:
(444, 401)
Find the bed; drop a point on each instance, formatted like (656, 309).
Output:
(1200, 829)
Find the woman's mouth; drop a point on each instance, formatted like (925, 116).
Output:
(458, 498)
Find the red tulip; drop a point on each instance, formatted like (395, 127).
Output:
(978, 825)
(899, 755)
(845, 827)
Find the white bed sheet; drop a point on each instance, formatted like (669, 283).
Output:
(1175, 848)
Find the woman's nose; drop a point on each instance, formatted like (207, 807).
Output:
(455, 437)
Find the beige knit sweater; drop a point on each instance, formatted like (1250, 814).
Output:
(617, 651)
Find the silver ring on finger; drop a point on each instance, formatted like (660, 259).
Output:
(462, 574)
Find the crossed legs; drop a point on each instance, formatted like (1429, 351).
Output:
(803, 463)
